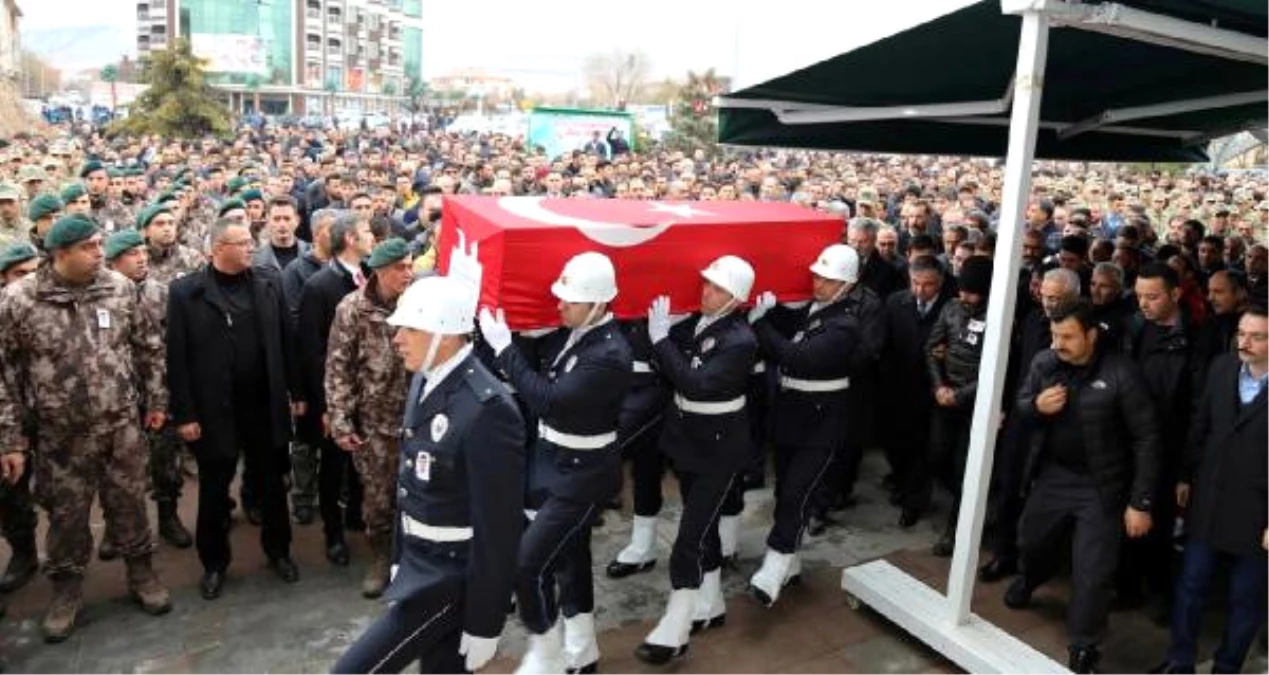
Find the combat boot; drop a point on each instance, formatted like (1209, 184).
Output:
(376, 579)
(170, 528)
(68, 599)
(145, 587)
(23, 564)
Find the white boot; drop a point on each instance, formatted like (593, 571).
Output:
(711, 607)
(581, 651)
(545, 655)
(771, 578)
(640, 555)
(728, 535)
(669, 638)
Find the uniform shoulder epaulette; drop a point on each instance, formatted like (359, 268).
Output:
(482, 383)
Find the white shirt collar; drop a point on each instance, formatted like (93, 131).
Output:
(575, 335)
(352, 270)
(442, 371)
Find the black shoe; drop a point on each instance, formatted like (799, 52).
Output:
(658, 655)
(212, 583)
(1168, 667)
(254, 515)
(716, 622)
(285, 569)
(946, 544)
(909, 517)
(1018, 595)
(22, 566)
(304, 515)
(997, 569)
(337, 553)
(172, 530)
(588, 669)
(106, 550)
(1084, 659)
(619, 570)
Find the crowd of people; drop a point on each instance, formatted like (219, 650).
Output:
(272, 303)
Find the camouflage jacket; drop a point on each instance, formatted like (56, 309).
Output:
(114, 216)
(196, 227)
(18, 230)
(152, 296)
(74, 356)
(366, 381)
(174, 263)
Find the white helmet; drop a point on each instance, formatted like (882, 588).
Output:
(588, 277)
(732, 274)
(437, 305)
(838, 262)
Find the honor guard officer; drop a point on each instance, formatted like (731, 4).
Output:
(707, 359)
(810, 407)
(576, 460)
(638, 434)
(459, 497)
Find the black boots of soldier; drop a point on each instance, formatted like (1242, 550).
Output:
(170, 528)
(23, 564)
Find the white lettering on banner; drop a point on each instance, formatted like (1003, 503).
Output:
(617, 235)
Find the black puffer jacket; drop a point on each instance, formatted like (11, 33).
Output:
(961, 328)
(1121, 439)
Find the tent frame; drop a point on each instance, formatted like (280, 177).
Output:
(946, 622)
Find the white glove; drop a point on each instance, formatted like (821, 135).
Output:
(659, 319)
(478, 650)
(761, 305)
(495, 330)
(392, 573)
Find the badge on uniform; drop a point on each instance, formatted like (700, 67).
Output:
(707, 345)
(103, 318)
(976, 326)
(440, 424)
(797, 337)
(696, 362)
(570, 364)
(423, 466)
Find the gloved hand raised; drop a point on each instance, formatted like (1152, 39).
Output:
(495, 330)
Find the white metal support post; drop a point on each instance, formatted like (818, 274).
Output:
(945, 622)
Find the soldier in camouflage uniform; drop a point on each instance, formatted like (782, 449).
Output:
(14, 228)
(75, 199)
(76, 343)
(169, 260)
(33, 179)
(43, 212)
(17, 510)
(125, 253)
(109, 213)
(366, 385)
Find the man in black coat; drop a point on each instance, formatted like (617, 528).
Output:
(905, 384)
(1225, 490)
(234, 387)
(874, 271)
(351, 243)
(1093, 460)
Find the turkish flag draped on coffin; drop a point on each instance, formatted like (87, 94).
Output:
(520, 245)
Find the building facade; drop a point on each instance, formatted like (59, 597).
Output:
(296, 56)
(10, 41)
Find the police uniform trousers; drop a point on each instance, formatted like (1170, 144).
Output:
(426, 627)
(265, 471)
(376, 463)
(74, 466)
(799, 472)
(697, 549)
(555, 550)
(337, 481)
(1063, 501)
(638, 429)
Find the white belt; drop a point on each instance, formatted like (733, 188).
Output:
(759, 368)
(640, 367)
(442, 535)
(814, 386)
(575, 441)
(709, 407)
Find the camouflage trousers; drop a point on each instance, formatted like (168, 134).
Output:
(304, 472)
(17, 510)
(166, 478)
(376, 463)
(71, 469)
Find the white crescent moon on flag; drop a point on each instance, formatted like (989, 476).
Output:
(617, 235)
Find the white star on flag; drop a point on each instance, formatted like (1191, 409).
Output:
(680, 210)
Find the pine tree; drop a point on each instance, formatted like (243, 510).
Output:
(695, 118)
(178, 103)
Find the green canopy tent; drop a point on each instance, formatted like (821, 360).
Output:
(1138, 80)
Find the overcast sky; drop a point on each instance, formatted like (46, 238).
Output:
(542, 44)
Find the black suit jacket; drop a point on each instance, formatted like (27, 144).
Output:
(904, 377)
(199, 361)
(879, 275)
(322, 293)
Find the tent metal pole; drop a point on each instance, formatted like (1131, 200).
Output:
(1024, 125)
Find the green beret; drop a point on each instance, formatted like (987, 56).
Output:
(390, 251)
(230, 205)
(89, 167)
(121, 242)
(114, 172)
(252, 195)
(235, 184)
(69, 230)
(15, 253)
(145, 215)
(43, 205)
(72, 192)
(165, 197)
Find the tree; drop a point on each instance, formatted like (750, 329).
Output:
(695, 118)
(111, 74)
(617, 77)
(416, 92)
(178, 102)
